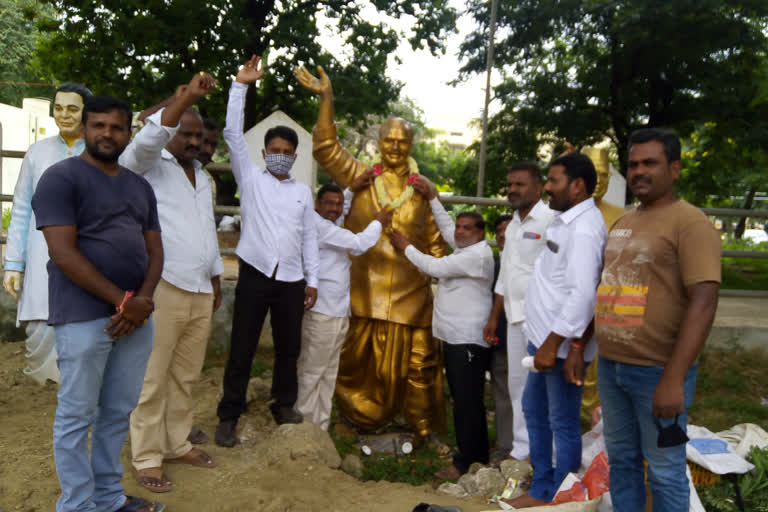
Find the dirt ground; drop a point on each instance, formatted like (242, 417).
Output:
(251, 476)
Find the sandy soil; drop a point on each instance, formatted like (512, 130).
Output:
(251, 476)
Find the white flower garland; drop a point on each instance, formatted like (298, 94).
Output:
(385, 201)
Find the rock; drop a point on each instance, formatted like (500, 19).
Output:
(352, 465)
(301, 441)
(474, 468)
(452, 489)
(468, 482)
(517, 469)
(489, 482)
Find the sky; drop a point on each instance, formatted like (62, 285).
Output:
(425, 77)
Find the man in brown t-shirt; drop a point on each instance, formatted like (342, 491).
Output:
(655, 305)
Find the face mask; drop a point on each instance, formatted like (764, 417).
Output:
(278, 163)
(672, 435)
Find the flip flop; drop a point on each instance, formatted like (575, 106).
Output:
(151, 483)
(136, 504)
(195, 457)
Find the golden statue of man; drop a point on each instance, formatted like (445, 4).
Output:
(611, 212)
(390, 364)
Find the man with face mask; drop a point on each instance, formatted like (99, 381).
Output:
(525, 238)
(278, 262)
(462, 305)
(559, 307)
(165, 152)
(26, 253)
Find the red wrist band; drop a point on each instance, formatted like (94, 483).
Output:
(128, 295)
(576, 345)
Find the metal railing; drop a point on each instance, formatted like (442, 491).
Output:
(451, 199)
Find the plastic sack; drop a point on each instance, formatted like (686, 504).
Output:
(596, 479)
(742, 437)
(724, 462)
(570, 490)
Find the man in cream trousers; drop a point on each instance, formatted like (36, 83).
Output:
(325, 326)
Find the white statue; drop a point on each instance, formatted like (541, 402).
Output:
(26, 253)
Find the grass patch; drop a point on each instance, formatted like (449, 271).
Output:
(730, 386)
(744, 273)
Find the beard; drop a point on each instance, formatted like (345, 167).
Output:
(106, 156)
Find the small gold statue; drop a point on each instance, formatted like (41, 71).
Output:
(390, 364)
(591, 399)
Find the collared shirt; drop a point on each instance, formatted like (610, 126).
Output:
(524, 242)
(190, 244)
(335, 244)
(278, 228)
(25, 249)
(562, 291)
(464, 296)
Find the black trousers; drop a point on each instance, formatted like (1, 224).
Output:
(465, 367)
(256, 294)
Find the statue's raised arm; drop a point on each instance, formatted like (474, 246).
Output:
(326, 148)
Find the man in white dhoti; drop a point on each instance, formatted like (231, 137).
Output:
(26, 252)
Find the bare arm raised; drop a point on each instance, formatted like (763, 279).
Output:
(320, 85)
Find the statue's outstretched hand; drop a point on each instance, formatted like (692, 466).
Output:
(250, 71)
(319, 85)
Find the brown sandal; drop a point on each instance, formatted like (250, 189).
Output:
(152, 483)
(194, 457)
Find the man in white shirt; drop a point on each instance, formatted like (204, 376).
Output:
(461, 309)
(559, 308)
(325, 326)
(165, 152)
(277, 251)
(525, 237)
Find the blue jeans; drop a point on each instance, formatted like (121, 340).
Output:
(100, 384)
(551, 407)
(626, 393)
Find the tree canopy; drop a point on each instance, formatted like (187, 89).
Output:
(586, 70)
(142, 50)
(18, 41)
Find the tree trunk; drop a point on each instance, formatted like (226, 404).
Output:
(742, 225)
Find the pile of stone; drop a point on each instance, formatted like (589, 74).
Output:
(487, 482)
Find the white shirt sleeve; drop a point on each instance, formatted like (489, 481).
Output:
(146, 148)
(233, 134)
(585, 262)
(444, 222)
(21, 216)
(309, 248)
(499, 288)
(355, 244)
(458, 264)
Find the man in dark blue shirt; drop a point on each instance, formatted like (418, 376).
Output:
(100, 223)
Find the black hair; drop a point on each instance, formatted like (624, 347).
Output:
(105, 105)
(479, 220)
(667, 138)
(576, 166)
(501, 219)
(80, 89)
(209, 124)
(283, 132)
(532, 169)
(329, 188)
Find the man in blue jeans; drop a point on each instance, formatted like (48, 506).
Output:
(655, 306)
(101, 226)
(559, 305)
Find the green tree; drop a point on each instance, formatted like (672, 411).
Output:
(18, 39)
(141, 50)
(584, 70)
